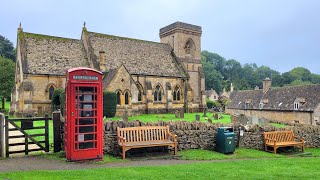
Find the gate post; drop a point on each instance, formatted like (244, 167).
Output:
(7, 135)
(1, 135)
(56, 131)
(46, 121)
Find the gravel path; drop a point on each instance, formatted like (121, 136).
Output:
(27, 163)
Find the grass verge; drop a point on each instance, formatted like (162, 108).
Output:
(167, 117)
(295, 168)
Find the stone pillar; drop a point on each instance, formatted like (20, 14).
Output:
(2, 135)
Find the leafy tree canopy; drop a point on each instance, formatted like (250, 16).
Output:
(7, 74)
(6, 49)
(220, 73)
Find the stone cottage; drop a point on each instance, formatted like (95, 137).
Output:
(212, 95)
(148, 77)
(295, 104)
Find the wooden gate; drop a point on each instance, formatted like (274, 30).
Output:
(41, 140)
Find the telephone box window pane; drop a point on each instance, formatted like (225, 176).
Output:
(86, 121)
(88, 137)
(86, 129)
(86, 145)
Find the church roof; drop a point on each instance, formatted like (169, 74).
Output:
(281, 99)
(138, 56)
(211, 92)
(42, 54)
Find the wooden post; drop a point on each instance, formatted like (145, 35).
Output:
(46, 131)
(56, 131)
(1, 135)
(26, 152)
(7, 135)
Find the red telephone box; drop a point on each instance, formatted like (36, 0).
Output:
(83, 114)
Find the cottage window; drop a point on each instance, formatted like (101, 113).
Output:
(260, 105)
(51, 90)
(157, 94)
(177, 94)
(296, 105)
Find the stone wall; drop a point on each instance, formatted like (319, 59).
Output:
(195, 135)
(200, 135)
(253, 135)
(284, 116)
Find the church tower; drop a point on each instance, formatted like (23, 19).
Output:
(185, 40)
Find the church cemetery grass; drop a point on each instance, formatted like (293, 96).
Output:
(167, 117)
(244, 164)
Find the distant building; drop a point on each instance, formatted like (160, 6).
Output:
(148, 77)
(212, 95)
(295, 104)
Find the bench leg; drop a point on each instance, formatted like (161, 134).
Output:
(275, 150)
(123, 153)
(175, 149)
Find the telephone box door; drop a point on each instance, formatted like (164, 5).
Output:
(84, 120)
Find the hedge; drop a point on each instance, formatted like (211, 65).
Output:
(109, 104)
(62, 100)
(55, 99)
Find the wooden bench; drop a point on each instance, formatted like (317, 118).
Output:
(278, 139)
(145, 136)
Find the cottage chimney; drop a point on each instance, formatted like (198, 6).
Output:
(266, 85)
(231, 87)
(102, 60)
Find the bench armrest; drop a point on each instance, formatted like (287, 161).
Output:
(300, 138)
(121, 140)
(270, 140)
(174, 137)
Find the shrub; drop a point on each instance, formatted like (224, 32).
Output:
(109, 104)
(62, 100)
(55, 100)
(210, 104)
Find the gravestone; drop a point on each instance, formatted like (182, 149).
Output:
(177, 113)
(181, 113)
(209, 120)
(197, 117)
(125, 115)
(205, 112)
(215, 116)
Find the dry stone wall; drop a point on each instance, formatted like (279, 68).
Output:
(201, 135)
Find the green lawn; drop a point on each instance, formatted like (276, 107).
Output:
(278, 125)
(197, 154)
(282, 168)
(167, 117)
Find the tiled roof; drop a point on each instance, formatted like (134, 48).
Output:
(138, 56)
(281, 99)
(44, 54)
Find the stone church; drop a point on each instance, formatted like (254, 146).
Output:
(148, 77)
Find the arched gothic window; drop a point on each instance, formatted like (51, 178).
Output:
(177, 94)
(126, 98)
(157, 93)
(189, 47)
(118, 98)
(140, 91)
(51, 90)
(139, 96)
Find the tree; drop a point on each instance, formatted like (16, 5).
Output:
(7, 73)
(6, 49)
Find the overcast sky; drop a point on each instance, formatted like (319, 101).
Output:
(281, 34)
